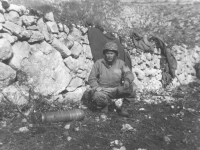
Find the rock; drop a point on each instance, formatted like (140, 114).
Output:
(20, 9)
(156, 62)
(139, 73)
(14, 28)
(68, 43)
(85, 39)
(47, 73)
(82, 74)
(148, 56)
(66, 29)
(158, 75)
(64, 51)
(2, 19)
(60, 27)
(143, 58)
(32, 27)
(76, 49)
(74, 84)
(87, 51)
(5, 49)
(67, 126)
(150, 72)
(28, 20)
(71, 63)
(49, 17)
(182, 77)
(36, 37)
(9, 37)
(76, 35)
(21, 50)
(45, 48)
(16, 94)
(25, 35)
(142, 66)
(14, 17)
(74, 96)
(52, 27)
(62, 36)
(84, 30)
(44, 30)
(5, 4)
(82, 62)
(7, 75)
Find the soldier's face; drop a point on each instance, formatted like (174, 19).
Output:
(110, 56)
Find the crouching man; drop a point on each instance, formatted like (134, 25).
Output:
(111, 79)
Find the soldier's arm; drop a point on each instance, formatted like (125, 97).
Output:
(93, 77)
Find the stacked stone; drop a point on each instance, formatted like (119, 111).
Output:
(148, 75)
(186, 59)
(54, 59)
(146, 69)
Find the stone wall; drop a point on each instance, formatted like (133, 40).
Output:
(41, 55)
(148, 75)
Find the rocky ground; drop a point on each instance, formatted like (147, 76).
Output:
(166, 120)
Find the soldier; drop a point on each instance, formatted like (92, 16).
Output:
(111, 79)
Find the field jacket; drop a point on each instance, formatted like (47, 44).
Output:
(104, 75)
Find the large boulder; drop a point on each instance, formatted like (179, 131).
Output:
(21, 50)
(7, 75)
(52, 27)
(49, 17)
(47, 73)
(20, 9)
(28, 20)
(5, 49)
(14, 17)
(2, 19)
(18, 95)
(43, 29)
(75, 35)
(9, 37)
(74, 96)
(12, 27)
(64, 51)
(71, 63)
(25, 35)
(87, 51)
(36, 37)
(76, 49)
(74, 84)
(45, 47)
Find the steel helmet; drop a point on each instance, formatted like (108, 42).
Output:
(110, 46)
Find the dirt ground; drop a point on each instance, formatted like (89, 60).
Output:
(168, 120)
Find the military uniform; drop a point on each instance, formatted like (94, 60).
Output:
(107, 80)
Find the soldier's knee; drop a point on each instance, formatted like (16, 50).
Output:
(100, 99)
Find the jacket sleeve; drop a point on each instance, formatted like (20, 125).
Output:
(127, 74)
(93, 77)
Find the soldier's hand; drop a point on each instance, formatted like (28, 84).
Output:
(126, 84)
(99, 89)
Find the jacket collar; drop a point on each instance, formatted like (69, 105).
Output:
(106, 64)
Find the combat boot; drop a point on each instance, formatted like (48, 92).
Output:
(104, 109)
(123, 112)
